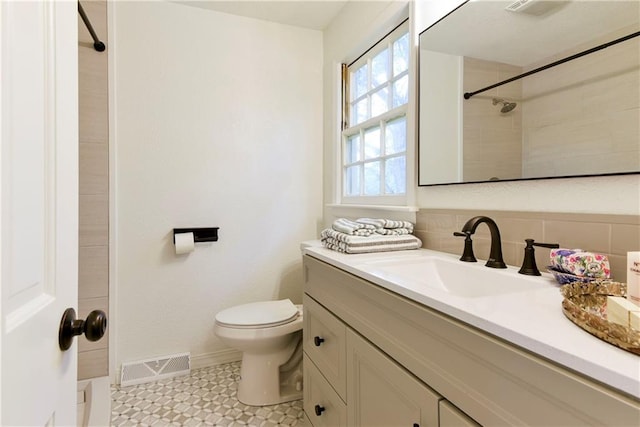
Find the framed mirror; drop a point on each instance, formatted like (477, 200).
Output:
(576, 111)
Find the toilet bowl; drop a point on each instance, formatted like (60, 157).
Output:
(269, 335)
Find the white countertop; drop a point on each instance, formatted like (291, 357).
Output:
(531, 319)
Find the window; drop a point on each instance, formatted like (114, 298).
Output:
(374, 136)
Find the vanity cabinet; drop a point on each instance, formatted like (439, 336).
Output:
(349, 382)
(396, 349)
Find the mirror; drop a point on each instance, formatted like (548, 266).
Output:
(577, 118)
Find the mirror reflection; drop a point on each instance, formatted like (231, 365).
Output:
(578, 118)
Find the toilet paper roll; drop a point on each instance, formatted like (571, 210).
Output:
(184, 243)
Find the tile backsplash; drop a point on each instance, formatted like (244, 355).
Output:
(613, 235)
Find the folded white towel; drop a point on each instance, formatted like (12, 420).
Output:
(346, 226)
(342, 242)
(387, 227)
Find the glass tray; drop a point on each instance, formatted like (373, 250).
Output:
(585, 305)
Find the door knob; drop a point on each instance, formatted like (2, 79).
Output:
(93, 327)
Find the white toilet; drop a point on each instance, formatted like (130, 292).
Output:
(269, 334)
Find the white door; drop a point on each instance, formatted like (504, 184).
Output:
(39, 209)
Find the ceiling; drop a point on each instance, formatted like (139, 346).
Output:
(313, 14)
(485, 30)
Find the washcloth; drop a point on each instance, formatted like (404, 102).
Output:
(351, 244)
(387, 226)
(377, 223)
(580, 263)
(389, 223)
(346, 226)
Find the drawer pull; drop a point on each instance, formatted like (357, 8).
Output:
(416, 425)
(317, 341)
(319, 409)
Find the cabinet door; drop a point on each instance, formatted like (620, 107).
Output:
(381, 393)
(450, 416)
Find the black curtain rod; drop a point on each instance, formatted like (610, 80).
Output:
(468, 95)
(97, 44)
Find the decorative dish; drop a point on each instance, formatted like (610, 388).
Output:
(563, 277)
(585, 305)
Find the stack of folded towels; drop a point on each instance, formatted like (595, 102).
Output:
(369, 235)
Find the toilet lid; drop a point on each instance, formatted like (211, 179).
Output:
(264, 313)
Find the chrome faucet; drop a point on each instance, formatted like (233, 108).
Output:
(495, 254)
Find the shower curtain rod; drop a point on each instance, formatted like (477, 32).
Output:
(468, 95)
(97, 44)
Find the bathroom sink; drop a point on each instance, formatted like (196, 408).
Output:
(462, 279)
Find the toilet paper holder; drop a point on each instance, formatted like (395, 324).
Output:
(206, 234)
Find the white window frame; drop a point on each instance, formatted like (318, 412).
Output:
(380, 121)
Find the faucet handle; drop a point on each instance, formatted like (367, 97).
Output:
(529, 266)
(467, 254)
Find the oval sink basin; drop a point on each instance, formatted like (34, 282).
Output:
(463, 279)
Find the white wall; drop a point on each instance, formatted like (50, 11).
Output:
(440, 117)
(615, 194)
(217, 122)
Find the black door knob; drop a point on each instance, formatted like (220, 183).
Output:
(317, 341)
(93, 327)
(319, 410)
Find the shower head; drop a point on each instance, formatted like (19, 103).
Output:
(506, 105)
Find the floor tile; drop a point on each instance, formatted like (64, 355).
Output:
(207, 397)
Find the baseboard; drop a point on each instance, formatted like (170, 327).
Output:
(215, 358)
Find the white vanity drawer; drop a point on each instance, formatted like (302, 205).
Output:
(322, 405)
(325, 344)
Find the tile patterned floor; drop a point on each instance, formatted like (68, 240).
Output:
(205, 398)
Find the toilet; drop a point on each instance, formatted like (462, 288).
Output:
(269, 335)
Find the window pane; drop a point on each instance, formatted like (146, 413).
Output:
(372, 143)
(361, 82)
(380, 68)
(353, 149)
(401, 55)
(374, 158)
(372, 179)
(401, 91)
(395, 136)
(352, 181)
(395, 179)
(380, 102)
(359, 112)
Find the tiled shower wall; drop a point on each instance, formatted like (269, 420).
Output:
(613, 235)
(93, 258)
(492, 146)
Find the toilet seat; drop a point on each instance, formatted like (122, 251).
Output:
(263, 314)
